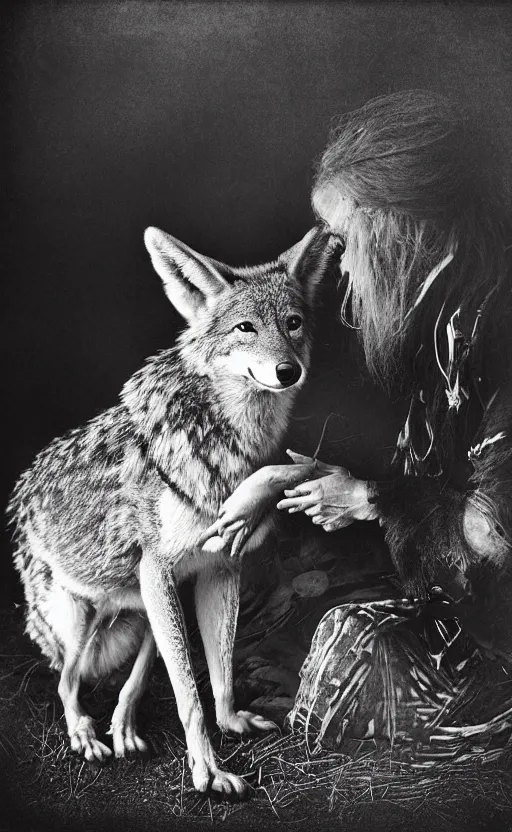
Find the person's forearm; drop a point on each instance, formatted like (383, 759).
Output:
(361, 508)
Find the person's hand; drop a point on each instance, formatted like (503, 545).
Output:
(333, 498)
(244, 508)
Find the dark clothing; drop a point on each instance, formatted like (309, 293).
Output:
(398, 672)
(422, 474)
(439, 664)
(423, 521)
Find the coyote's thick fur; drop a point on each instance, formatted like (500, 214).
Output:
(108, 518)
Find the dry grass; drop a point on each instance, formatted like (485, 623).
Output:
(282, 771)
(290, 779)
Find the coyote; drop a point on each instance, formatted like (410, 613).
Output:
(109, 518)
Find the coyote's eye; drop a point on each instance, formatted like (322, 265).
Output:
(294, 322)
(245, 326)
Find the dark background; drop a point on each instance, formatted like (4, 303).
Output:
(203, 119)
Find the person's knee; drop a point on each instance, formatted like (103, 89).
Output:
(482, 536)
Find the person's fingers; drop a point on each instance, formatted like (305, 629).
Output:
(300, 489)
(319, 519)
(298, 503)
(301, 458)
(291, 502)
(333, 527)
(211, 531)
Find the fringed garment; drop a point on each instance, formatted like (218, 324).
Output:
(432, 673)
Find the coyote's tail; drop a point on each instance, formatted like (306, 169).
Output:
(112, 646)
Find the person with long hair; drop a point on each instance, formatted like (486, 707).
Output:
(408, 197)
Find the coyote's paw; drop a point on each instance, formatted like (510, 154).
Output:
(222, 783)
(244, 722)
(83, 741)
(125, 740)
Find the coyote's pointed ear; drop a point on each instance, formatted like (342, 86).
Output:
(189, 279)
(308, 259)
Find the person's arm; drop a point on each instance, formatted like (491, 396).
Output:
(332, 497)
(244, 508)
(432, 528)
(438, 535)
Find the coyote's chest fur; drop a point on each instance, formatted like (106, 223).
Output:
(152, 470)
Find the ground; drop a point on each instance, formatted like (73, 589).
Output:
(47, 787)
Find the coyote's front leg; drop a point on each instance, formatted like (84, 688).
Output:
(160, 596)
(217, 594)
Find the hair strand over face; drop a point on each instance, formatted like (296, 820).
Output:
(416, 168)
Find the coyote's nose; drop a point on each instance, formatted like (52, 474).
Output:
(288, 373)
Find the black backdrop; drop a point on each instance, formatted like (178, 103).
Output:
(202, 118)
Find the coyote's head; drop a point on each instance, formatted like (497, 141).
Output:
(250, 324)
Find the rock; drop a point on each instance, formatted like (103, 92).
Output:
(272, 707)
(311, 584)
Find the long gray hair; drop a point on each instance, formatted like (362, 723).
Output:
(414, 165)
